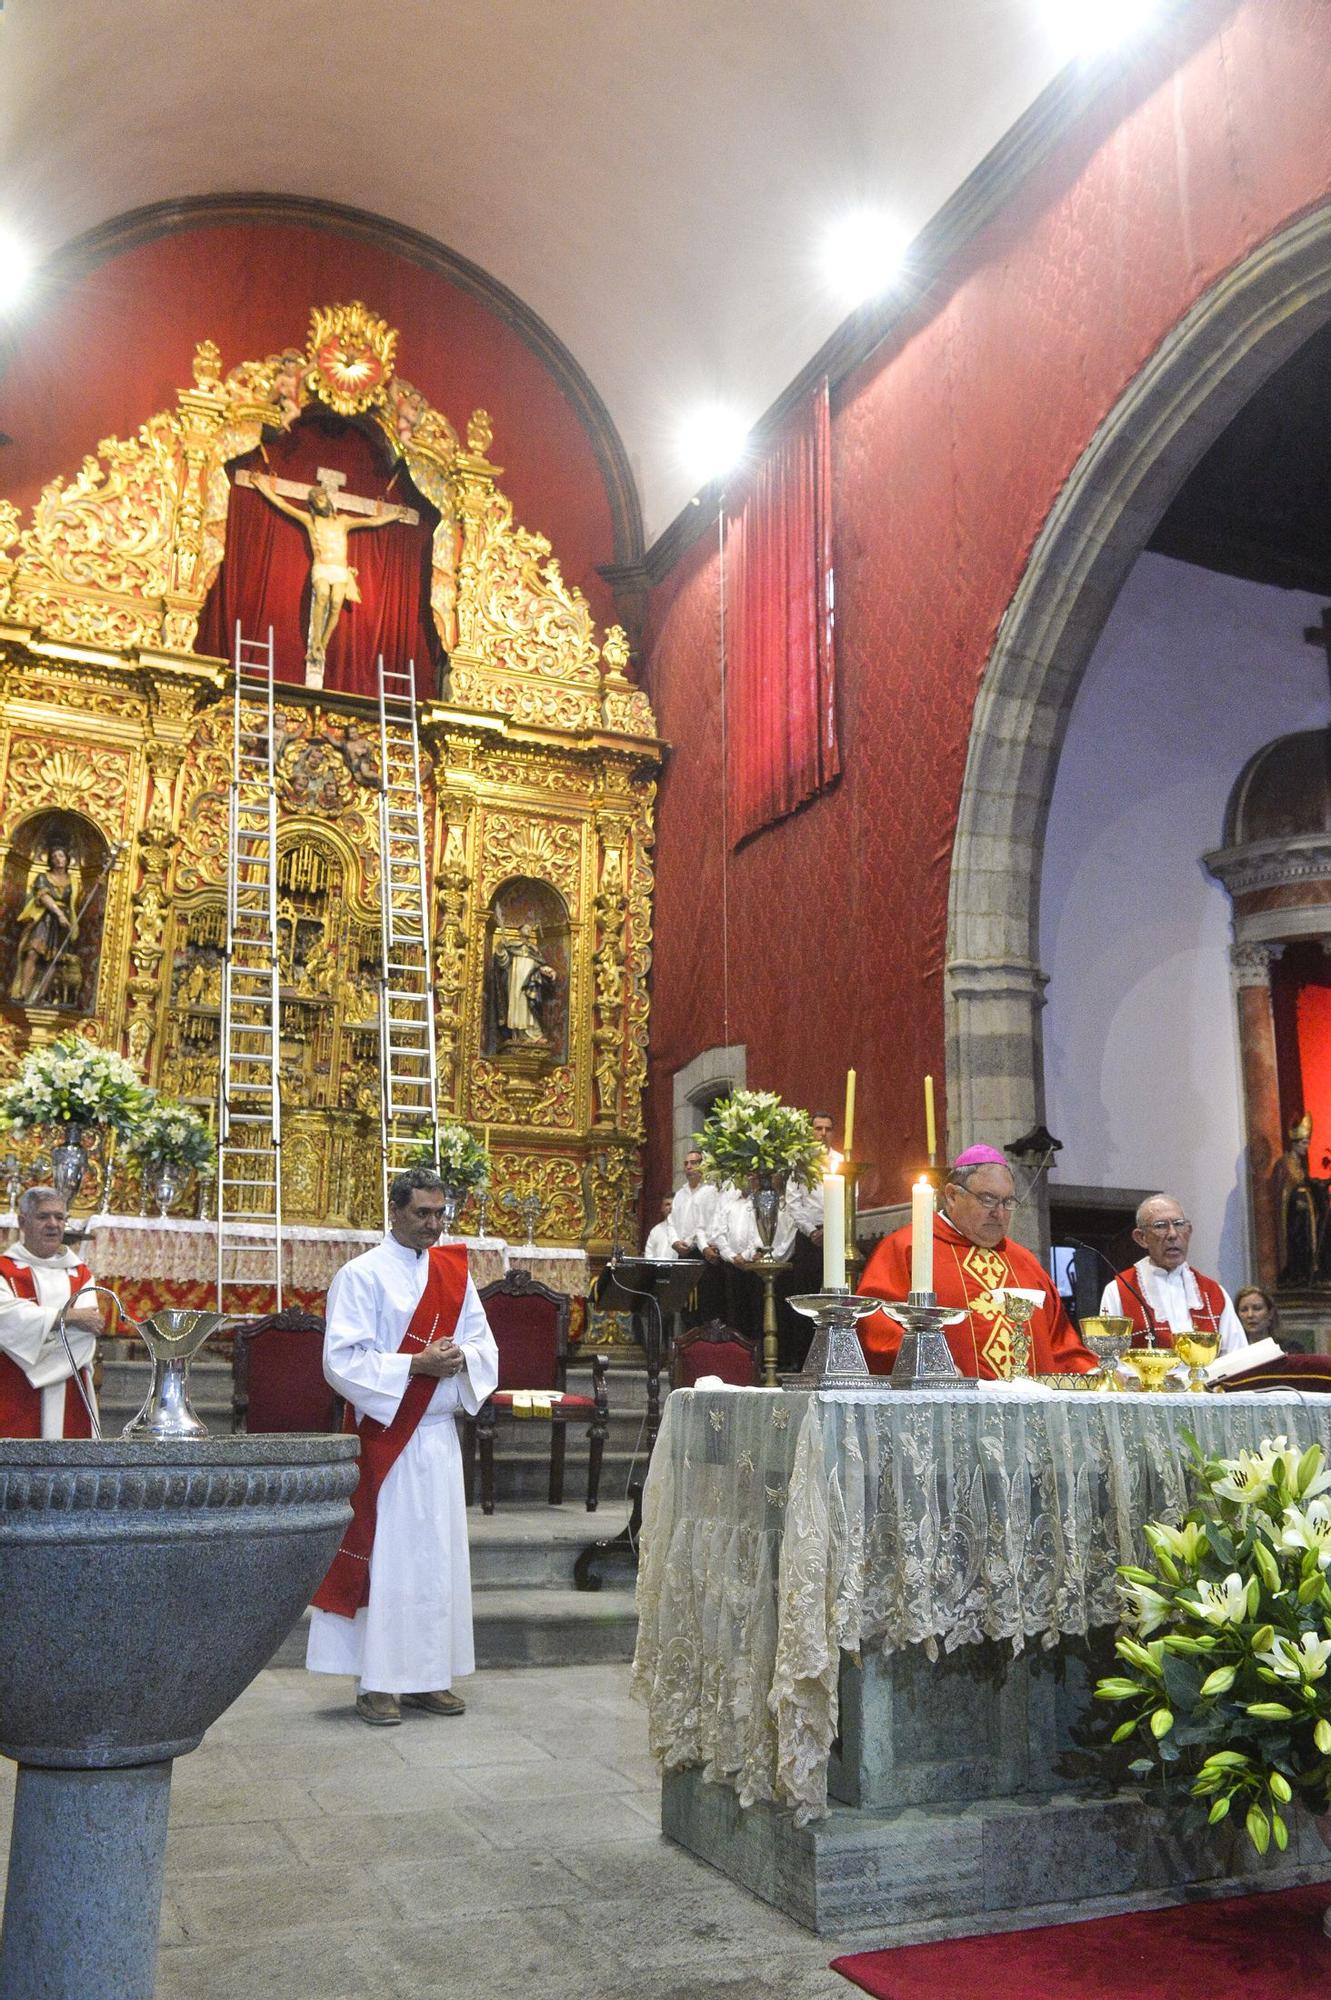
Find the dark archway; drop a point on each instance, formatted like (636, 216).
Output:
(1230, 343)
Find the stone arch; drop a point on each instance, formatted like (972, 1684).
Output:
(1230, 342)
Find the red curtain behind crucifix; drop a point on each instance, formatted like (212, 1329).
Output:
(780, 685)
(265, 577)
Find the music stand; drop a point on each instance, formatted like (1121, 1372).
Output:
(649, 1289)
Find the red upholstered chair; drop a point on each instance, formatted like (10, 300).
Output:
(277, 1377)
(530, 1326)
(713, 1349)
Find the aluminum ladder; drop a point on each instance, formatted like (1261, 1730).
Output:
(249, 1107)
(409, 1105)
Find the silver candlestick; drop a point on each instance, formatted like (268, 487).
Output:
(924, 1359)
(835, 1359)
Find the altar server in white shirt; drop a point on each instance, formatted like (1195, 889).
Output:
(660, 1248)
(407, 1340)
(1161, 1291)
(38, 1277)
(693, 1210)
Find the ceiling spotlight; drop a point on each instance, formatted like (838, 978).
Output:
(863, 254)
(1089, 28)
(711, 441)
(17, 264)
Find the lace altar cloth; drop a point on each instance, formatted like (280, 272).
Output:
(781, 1529)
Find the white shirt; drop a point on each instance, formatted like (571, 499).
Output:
(693, 1215)
(805, 1205)
(1174, 1296)
(736, 1228)
(28, 1336)
(661, 1244)
(415, 1633)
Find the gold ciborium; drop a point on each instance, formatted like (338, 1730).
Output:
(1198, 1346)
(1151, 1365)
(1109, 1336)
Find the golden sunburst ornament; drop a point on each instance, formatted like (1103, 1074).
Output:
(351, 357)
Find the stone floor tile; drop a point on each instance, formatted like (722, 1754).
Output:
(550, 1778)
(275, 1903)
(364, 1840)
(552, 1828)
(214, 1848)
(329, 1964)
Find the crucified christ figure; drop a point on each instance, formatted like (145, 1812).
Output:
(332, 580)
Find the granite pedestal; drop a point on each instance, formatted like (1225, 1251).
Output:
(962, 1794)
(144, 1585)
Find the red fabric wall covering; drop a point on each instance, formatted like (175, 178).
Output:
(103, 355)
(948, 449)
(780, 691)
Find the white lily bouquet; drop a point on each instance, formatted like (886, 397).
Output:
(172, 1135)
(463, 1160)
(753, 1132)
(70, 1081)
(1228, 1686)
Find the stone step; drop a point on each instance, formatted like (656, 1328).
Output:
(525, 1609)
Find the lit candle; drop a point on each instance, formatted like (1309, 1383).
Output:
(930, 1127)
(921, 1237)
(834, 1233)
(487, 1138)
(849, 1127)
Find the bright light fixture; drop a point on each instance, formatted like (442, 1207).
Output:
(711, 441)
(863, 253)
(1089, 28)
(17, 264)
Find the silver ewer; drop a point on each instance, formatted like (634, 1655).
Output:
(172, 1337)
(924, 1359)
(835, 1359)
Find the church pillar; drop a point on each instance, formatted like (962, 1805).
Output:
(997, 1091)
(1261, 1095)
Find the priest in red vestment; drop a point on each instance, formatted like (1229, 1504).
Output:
(973, 1259)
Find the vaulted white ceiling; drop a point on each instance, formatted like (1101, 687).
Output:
(651, 176)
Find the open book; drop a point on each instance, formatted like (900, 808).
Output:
(1251, 1356)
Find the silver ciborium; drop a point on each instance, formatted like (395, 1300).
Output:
(172, 1337)
(835, 1359)
(924, 1359)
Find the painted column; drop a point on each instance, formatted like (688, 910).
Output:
(1261, 1095)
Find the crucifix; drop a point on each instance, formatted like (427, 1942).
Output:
(328, 517)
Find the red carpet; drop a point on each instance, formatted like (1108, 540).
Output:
(1239, 1948)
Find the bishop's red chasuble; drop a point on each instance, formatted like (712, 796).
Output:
(965, 1278)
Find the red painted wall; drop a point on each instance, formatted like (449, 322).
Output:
(114, 346)
(949, 447)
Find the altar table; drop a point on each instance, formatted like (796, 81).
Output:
(859, 1610)
(154, 1261)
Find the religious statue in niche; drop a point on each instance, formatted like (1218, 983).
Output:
(48, 930)
(521, 982)
(332, 580)
(1301, 1212)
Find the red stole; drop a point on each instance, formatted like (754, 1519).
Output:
(20, 1403)
(347, 1585)
(1133, 1304)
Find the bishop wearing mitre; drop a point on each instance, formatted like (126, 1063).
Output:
(974, 1260)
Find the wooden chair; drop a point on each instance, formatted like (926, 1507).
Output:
(714, 1349)
(530, 1326)
(277, 1377)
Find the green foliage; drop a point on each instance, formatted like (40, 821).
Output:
(171, 1134)
(1230, 1641)
(70, 1081)
(463, 1160)
(753, 1132)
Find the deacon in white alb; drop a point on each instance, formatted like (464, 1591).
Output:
(400, 1318)
(38, 1276)
(1162, 1291)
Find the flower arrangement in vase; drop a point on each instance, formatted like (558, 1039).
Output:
(755, 1141)
(168, 1143)
(464, 1165)
(74, 1087)
(1227, 1684)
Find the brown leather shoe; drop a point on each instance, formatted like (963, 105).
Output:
(381, 1711)
(441, 1702)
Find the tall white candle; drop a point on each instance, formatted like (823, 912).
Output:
(834, 1232)
(921, 1237)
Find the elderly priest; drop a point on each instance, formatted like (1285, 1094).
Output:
(38, 1278)
(1161, 1293)
(973, 1259)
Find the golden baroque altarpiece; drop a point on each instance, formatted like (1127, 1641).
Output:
(541, 762)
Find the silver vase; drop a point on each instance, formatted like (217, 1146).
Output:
(69, 1162)
(766, 1208)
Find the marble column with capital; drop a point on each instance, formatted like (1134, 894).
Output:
(1251, 965)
